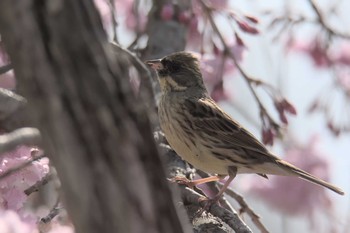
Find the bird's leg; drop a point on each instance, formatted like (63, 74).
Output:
(192, 183)
(232, 171)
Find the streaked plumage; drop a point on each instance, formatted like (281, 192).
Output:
(203, 134)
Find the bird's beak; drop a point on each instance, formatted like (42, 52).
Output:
(155, 64)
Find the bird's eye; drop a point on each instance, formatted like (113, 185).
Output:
(173, 66)
(170, 66)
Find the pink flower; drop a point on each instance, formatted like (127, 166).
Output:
(135, 19)
(11, 223)
(283, 107)
(167, 12)
(268, 135)
(125, 12)
(62, 229)
(342, 54)
(246, 27)
(12, 187)
(344, 79)
(212, 66)
(218, 93)
(315, 49)
(185, 17)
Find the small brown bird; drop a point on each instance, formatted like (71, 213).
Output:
(207, 137)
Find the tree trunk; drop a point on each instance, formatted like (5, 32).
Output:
(95, 132)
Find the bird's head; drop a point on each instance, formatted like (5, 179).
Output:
(178, 72)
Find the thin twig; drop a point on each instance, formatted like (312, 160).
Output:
(139, 65)
(111, 4)
(146, 90)
(324, 24)
(27, 136)
(247, 78)
(53, 212)
(15, 169)
(232, 219)
(245, 208)
(5, 68)
(37, 185)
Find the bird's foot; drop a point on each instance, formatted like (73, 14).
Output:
(207, 203)
(182, 180)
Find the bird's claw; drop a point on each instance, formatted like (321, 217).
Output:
(206, 203)
(182, 180)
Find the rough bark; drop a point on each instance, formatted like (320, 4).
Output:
(95, 132)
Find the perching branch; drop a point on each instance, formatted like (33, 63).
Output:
(246, 209)
(230, 218)
(177, 167)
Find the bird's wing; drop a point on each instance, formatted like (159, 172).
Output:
(225, 133)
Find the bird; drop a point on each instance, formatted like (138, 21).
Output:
(204, 135)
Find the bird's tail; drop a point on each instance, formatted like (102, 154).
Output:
(308, 177)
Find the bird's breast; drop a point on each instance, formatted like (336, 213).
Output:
(185, 141)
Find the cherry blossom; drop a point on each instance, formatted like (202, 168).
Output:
(12, 187)
(10, 222)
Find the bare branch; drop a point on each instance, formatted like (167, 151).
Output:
(111, 4)
(5, 68)
(139, 65)
(37, 185)
(27, 136)
(324, 24)
(53, 212)
(246, 209)
(146, 90)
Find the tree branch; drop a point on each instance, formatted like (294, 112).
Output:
(324, 24)
(26, 136)
(246, 209)
(37, 185)
(230, 218)
(5, 68)
(55, 210)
